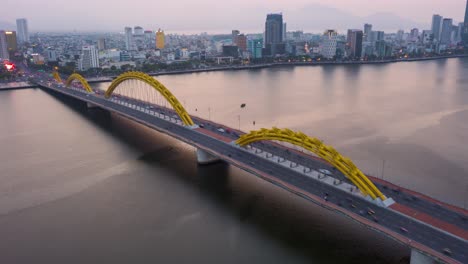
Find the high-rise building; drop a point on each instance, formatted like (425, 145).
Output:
(355, 43)
(427, 37)
(255, 47)
(138, 31)
(129, 43)
(11, 41)
(376, 36)
(234, 35)
(284, 31)
(329, 42)
(414, 35)
(160, 39)
(399, 35)
(436, 27)
(446, 33)
(274, 34)
(460, 28)
(242, 42)
(89, 58)
(367, 31)
(51, 55)
(22, 30)
(101, 44)
(3, 46)
(465, 28)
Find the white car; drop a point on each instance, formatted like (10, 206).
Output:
(324, 171)
(221, 130)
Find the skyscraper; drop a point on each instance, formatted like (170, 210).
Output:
(3, 46)
(284, 31)
(129, 43)
(329, 43)
(89, 58)
(234, 35)
(436, 27)
(274, 34)
(23, 32)
(11, 41)
(160, 39)
(367, 31)
(446, 33)
(101, 44)
(355, 43)
(465, 28)
(242, 42)
(255, 47)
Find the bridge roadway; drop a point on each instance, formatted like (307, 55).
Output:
(425, 238)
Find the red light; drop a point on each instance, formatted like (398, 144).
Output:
(9, 66)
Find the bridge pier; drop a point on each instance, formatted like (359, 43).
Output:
(419, 258)
(90, 105)
(204, 157)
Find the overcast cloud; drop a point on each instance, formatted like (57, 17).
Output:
(220, 16)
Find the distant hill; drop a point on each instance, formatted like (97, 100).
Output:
(7, 26)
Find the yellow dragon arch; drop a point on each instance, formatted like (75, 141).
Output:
(81, 79)
(185, 117)
(56, 76)
(328, 153)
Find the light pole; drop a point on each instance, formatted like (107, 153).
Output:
(239, 120)
(383, 167)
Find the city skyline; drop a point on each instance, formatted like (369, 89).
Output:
(300, 14)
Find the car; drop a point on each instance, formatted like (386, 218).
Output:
(221, 130)
(324, 171)
(227, 130)
(353, 206)
(375, 219)
(402, 229)
(201, 125)
(447, 251)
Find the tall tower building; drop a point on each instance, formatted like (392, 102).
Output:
(465, 28)
(101, 44)
(446, 33)
(11, 41)
(242, 42)
(355, 43)
(255, 47)
(129, 43)
(89, 58)
(23, 31)
(3, 46)
(284, 31)
(367, 31)
(160, 39)
(329, 44)
(274, 34)
(234, 35)
(436, 27)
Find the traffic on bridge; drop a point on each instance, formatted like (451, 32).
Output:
(319, 173)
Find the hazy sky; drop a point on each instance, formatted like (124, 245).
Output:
(214, 15)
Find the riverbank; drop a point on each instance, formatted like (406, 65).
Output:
(281, 64)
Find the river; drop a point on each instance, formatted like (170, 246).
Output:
(81, 185)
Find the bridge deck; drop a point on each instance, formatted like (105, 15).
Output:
(424, 234)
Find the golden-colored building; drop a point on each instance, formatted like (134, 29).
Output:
(160, 39)
(11, 41)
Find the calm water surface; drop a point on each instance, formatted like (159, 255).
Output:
(81, 186)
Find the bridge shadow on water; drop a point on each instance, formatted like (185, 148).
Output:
(308, 231)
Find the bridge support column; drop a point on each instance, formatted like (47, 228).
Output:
(90, 105)
(204, 157)
(418, 258)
